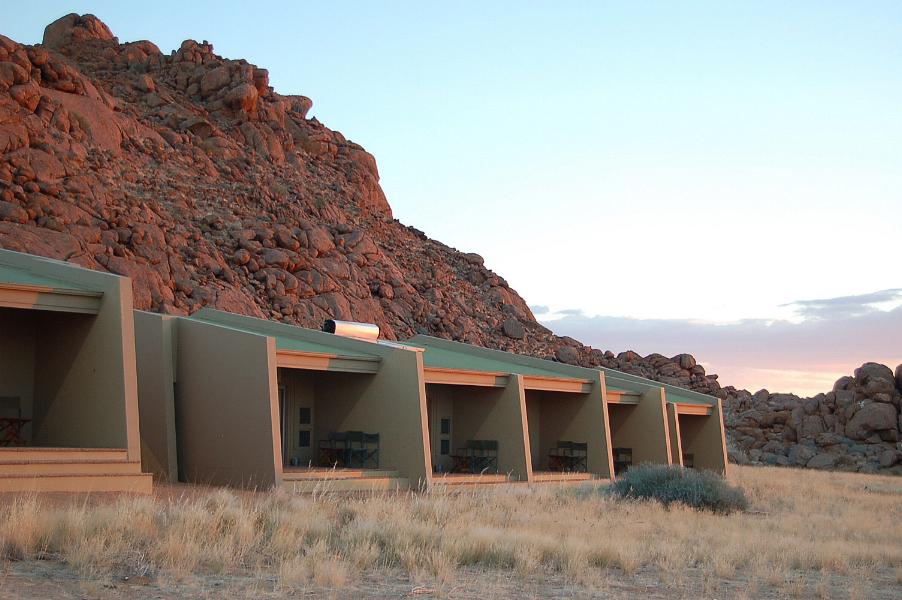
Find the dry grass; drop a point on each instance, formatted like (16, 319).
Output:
(821, 524)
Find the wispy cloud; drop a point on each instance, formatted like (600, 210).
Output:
(845, 306)
(837, 335)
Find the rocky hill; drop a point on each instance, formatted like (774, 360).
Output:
(854, 427)
(188, 173)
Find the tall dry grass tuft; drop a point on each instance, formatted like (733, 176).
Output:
(22, 529)
(835, 524)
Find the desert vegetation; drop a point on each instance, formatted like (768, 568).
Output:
(804, 534)
(674, 485)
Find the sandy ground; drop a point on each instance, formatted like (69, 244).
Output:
(47, 579)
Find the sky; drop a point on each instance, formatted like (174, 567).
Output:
(657, 176)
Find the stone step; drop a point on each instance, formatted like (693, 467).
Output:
(73, 483)
(358, 484)
(69, 465)
(558, 477)
(333, 474)
(19, 453)
(469, 479)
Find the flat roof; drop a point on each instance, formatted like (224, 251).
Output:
(21, 287)
(676, 397)
(618, 380)
(445, 354)
(445, 358)
(449, 362)
(287, 337)
(26, 277)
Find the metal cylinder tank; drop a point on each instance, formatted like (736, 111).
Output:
(360, 331)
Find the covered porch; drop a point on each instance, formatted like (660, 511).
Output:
(67, 406)
(697, 437)
(565, 424)
(638, 425)
(475, 428)
(330, 438)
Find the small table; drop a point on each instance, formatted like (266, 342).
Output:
(11, 431)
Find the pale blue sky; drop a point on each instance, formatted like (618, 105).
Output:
(658, 160)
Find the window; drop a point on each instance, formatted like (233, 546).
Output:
(446, 447)
(305, 415)
(446, 426)
(304, 439)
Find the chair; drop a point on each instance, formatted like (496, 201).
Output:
(689, 461)
(623, 459)
(464, 459)
(559, 456)
(11, 421)
(333, 450)
(356, 449)
(579, 457)
(371, 444)
(485, 456)
(462, 463)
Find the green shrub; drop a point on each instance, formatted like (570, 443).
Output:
(699, 489)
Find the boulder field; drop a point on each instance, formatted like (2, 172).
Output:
(190, 174)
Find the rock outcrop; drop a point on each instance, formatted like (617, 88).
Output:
(854, 427)
(188, 173)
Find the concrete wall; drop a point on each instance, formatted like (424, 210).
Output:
(156, 351)
(391, 403)
(673, 423)
(489, 413)
(17, 354)
(703, 437)
(554, 416)
(226, 407)
(85, 390)
(538, 445)
(642, 427)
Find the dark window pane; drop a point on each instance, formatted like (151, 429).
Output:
(446, 426)
(446, 447)
(305, 415)
(304, 439)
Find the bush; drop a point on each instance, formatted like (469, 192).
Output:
(699, 489)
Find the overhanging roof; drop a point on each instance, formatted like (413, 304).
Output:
(297, 347)
(621, 396)
(619, 380)
(692, 408)
(448, 362)
(23, 288)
